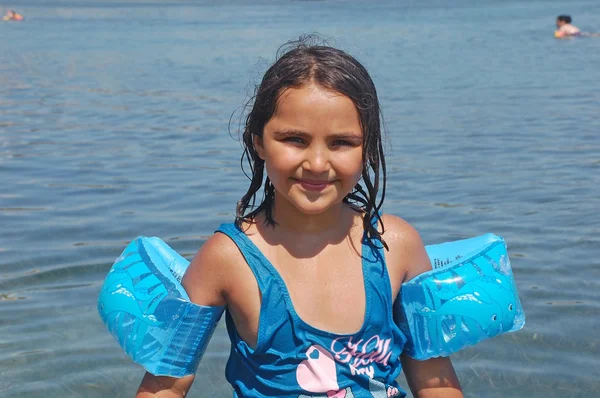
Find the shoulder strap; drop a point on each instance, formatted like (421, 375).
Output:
(257, 262)
(373, 253)
(375, 268)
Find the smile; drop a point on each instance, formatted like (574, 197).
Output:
(311, 185)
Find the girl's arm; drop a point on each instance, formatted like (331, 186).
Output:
(204, 283)
(433, 378)
(407, 258)
(164, 386)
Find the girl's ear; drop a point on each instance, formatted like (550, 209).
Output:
(258, 146)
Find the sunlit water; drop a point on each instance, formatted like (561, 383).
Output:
(114, 123)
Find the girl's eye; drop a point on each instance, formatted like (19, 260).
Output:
(294, 140)
(342, 143)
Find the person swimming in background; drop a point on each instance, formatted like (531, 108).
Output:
(11, 15)
(310, 268)
(564, 28)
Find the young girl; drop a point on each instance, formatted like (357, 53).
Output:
(564, 28)
(310, 275)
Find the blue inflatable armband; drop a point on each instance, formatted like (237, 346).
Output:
(469, 296)
(146, 309)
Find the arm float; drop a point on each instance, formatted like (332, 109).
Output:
(146, 309)
(469, 296)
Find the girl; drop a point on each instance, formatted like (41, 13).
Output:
(564, 28)
(310, 275)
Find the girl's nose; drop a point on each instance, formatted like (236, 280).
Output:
(316, 160)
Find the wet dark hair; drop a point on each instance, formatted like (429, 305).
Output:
(564, 18)
(302, 62)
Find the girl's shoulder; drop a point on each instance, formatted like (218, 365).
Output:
(214, 268)
(399, 234)
(406, 257)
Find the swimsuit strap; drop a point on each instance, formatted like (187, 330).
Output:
(375, 268)
(261, 267)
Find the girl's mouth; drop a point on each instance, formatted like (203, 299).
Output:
(313, 185)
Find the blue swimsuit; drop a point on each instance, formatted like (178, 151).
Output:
(295, 360)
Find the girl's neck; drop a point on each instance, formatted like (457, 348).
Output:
(305, 235)
(291, 220)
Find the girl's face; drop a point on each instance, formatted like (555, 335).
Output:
(312, 148)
